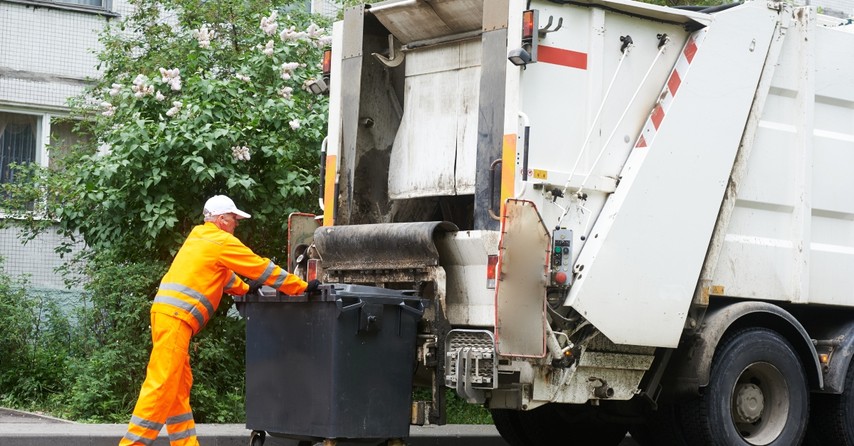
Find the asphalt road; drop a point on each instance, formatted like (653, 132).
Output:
(28, 429)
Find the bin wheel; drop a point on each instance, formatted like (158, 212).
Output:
(256, 438)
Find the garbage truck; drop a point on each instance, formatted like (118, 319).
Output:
(624, 216)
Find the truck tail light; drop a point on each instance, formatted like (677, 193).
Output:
(527, 53)
(491, 271)
(327, 63)
(528, 23)
(311, 270)
(321, 86)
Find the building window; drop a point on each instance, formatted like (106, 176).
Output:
(18, 142)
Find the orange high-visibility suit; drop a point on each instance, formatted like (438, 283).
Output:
(188, 296)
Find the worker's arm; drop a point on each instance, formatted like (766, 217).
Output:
(240, 259)
(235, 286)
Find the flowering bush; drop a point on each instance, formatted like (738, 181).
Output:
(193, 102)
(197, 99)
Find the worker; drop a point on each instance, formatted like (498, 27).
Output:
(207, 265)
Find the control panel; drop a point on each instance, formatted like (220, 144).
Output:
(561, 257)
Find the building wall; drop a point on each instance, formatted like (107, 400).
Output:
(47, 53)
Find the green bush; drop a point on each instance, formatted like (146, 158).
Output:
(34, 344)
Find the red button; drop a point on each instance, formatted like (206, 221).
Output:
(560, 277)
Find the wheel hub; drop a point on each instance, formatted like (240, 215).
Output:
(749, 402)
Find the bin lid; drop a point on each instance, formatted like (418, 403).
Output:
(332, 292)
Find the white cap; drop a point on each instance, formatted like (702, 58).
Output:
(220, 204)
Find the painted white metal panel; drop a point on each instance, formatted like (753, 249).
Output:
(791, 237)
(643, 258)
(464, 257)
(436, 144)
(585, 117)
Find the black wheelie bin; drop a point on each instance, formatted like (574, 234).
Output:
(336, 364)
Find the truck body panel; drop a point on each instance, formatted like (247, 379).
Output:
(607, 179)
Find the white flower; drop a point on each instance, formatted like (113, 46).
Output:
(287, 68)
(204, 36)
(313, 30)
(240, 153)
(242, 77)
(286, 92)
(109, 109)
(171, 77)
(116, 89)
(269, 25)
(294, 124)
(159, 96)
(176, 107)
(323, 41)
(139, 79)
(268, 49)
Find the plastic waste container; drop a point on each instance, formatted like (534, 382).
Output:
(336, 364)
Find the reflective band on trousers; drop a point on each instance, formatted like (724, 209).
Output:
(173, 436)
(180, 418)
(186, 306)
(147, 424)
(138, 439)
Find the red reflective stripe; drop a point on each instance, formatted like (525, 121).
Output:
(641, 142)
(690, 50)
(674, 82)
(558, 56)
(657, 116)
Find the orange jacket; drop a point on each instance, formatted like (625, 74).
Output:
(205, 266)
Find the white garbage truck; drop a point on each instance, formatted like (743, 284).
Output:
(625, 217)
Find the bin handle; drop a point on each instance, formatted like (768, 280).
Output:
(418, 311)
(343, 308)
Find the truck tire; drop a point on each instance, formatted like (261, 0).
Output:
(757, 394)
(509, 426)
(564, 424)
(832, 416)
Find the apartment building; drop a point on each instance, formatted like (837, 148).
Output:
(47, 55)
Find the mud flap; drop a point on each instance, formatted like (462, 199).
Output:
(520, 319)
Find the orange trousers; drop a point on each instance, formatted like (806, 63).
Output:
(165, 394)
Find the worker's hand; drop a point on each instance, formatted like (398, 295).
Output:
(312, 286)
(254, 286)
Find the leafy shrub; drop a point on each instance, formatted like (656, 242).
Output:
(34, 344)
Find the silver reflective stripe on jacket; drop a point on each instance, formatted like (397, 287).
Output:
(186, 306)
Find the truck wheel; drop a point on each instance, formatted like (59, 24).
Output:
(832, 416)
(757, 394)
(509, 426)
(256, 438)
(581, 425)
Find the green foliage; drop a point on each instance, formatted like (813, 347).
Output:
(457, 410)
(34, 345)
(213, 103)
(113, 339)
